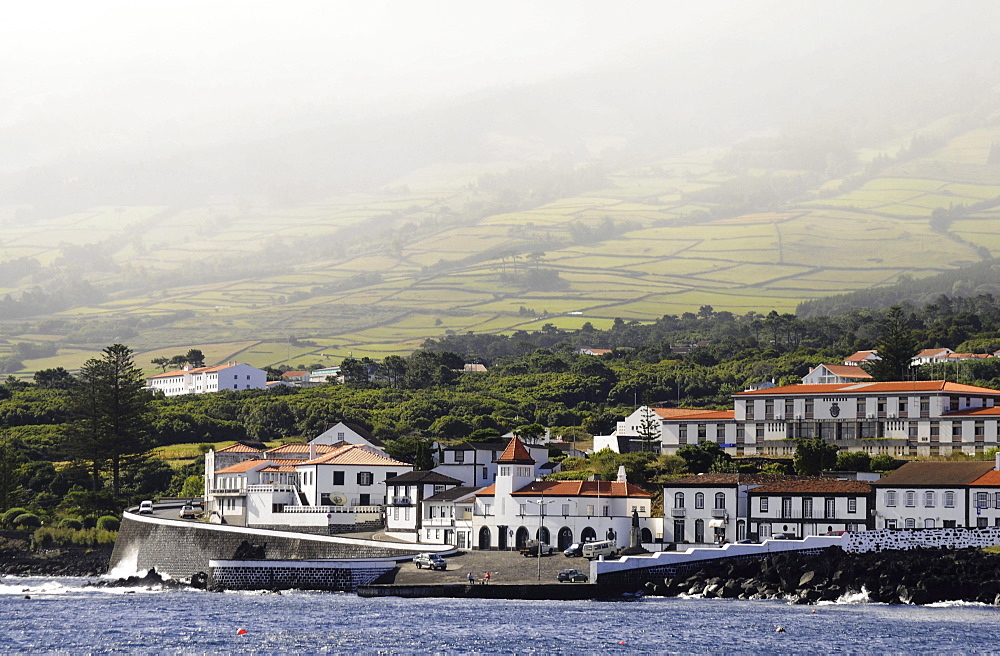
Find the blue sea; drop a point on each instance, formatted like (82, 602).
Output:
(63, 616)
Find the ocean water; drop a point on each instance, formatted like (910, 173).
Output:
(63, 616)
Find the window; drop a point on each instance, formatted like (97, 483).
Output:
(565, 509)
(929, 499)
(702, 432)
(807, 507)
(981, 522)
(831, 508)
(911, 499)
(768, 409)
(699, 500)
(902, 407)
(949, 499)
(763, 504)
(982, 500)
(996, 500)
(389, 475)
(910, 523)
(682, 432)
(786, 506)
(338, 478)
(789, 408)
(678, 500)
(890, 523)
(521, 508)
(890, 498)
(720, 500)
(852, 505)
(590, 510)
(928, 523)
(486, 473)
(606, 511)
(749, 409)
(395, 513)
(925, 405)
(366, 478)
(720, 432)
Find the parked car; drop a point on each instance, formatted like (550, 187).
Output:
(533, 548)
(574, 550)
(594, 550)
(146, 507)
(188, 512)
(572, 576)
(430, 561)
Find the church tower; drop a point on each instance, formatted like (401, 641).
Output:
(515, 469)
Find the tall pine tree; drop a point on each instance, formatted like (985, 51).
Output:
(896, 348)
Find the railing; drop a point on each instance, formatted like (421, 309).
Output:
(241, 490)
(720, 513)
(272, 487)
(333, 509)
(678, 512)
(402, 501)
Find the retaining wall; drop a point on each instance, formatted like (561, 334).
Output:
(181, 548)
(343, 575)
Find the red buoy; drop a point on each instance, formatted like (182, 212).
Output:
(241, 632)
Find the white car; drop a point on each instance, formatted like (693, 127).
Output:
(188, 512)
(146, 507)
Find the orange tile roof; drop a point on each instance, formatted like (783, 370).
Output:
(872, 388)
(303, 449)
(238, 448)
(974, 412)
(931, 352)
(574, 489)
(859, 356)
(516, 453)
(917, 473)
(355, 454)
(846, 371)
(242, 467)
(990, 479)
(294, 374)
(195, 370)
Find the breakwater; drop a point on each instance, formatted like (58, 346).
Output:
(538, 591)
(181, 548)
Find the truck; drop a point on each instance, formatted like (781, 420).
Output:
(533, 547)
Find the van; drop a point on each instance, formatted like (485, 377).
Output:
(592, 550)
(146, 508)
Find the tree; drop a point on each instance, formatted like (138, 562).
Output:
(57, 378)
(884, 463)
(700, 458)
(393, 370)
(649, 429)
(813, 456)
(113, 413)
(530, 432)
(896, 348)
(161, 362)
(854, 461)
(195, 358)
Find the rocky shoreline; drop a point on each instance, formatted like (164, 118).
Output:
(919, 576)
(18, 559)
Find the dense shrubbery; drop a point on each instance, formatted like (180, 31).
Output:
(47, 537)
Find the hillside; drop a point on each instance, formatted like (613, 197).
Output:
(501, 245)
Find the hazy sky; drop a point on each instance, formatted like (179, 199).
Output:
(114, 69)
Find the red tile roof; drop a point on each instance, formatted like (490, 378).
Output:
(242, 467)
(860, 356)
(238, 448)
(294, 374)
(195, 370)
(292, 450)
(990, 478)
(872, 388)
(693, 413)
(974, 412)
(516, 453)
(574, 489)
(355, 454)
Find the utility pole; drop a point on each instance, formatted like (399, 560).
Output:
(538, 541)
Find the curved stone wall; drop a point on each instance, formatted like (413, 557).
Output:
(182, 548)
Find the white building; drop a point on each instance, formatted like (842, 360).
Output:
(404, 499)
(475, 463)
(676, 427)
(202, 380)
(518, 508)
(349, 433)
(799, 508)
(936, 495)
(448, 517)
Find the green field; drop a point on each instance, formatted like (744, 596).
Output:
(324, 274)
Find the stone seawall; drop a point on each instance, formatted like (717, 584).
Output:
(182, 548)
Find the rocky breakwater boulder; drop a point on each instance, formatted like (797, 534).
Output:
(919, 576)
(17, 558)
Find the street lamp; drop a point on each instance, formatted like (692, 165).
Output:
(538, 541)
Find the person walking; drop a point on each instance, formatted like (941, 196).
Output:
(486, 577)
(472, 579)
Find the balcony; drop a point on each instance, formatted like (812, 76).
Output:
(272, 488)
(720, 513)
(402, 501)
(331, 510)
(678, 512)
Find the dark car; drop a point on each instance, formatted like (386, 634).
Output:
(572, 576)
(574, 550)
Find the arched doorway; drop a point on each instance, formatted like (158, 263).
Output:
(542, 535)
(741, 529)
(699, 530)
(565, 538)
(645, 536)
(521, 538)
(484, 538)
(588, 535)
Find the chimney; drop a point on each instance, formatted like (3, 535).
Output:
(623, 478)
(997, 465)
(312, 451)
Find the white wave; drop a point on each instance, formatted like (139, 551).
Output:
(958, 604)
(128, 565)
(849, 598)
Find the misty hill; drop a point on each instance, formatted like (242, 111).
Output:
(497, 213)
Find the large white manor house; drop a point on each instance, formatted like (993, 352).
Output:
(903, 419)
